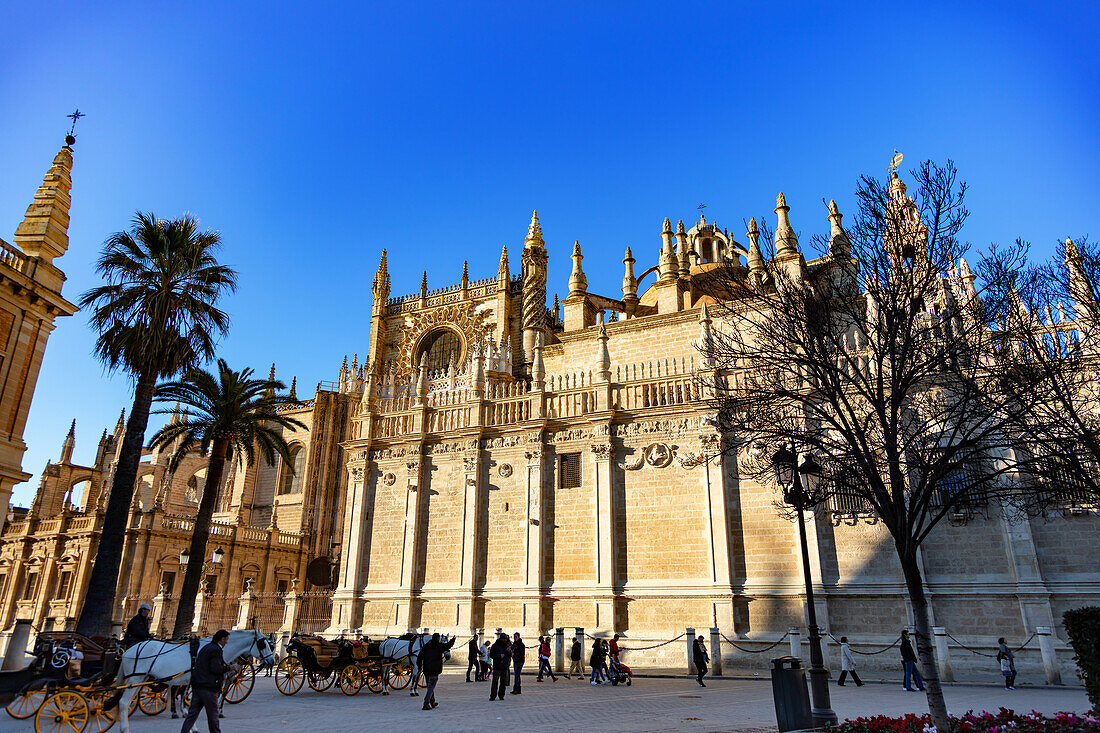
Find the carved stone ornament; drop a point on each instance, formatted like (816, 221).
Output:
(390, 478)
(658, 455)
(471, 481)
(357, 473)
(474, 325)
(413, 467)
(469, 464)
(602, 451)
(505, 469)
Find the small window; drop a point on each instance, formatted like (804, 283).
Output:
(282, 586)
(64, 585)
(570, 466)
(292, 482)
(210, 584)
(31, 587)
(168, 582)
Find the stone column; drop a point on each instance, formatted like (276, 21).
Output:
(559, 650)
(602, 458)
(471, 531)
(246, 608)
(410, 555)
(689, 634)
(796, 641)
(534, 528)
(290, 608)
(1050, 658)
(200, 601)
(159, 604)
(356, 527)
(715, 653)
(20, 639)
(713, 484)
(943, 654)
(578, 632)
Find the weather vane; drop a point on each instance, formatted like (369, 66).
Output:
(71, 137)
(895, 162)
(701, 206)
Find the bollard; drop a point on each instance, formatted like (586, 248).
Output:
(559, 650)
(796, 642)
(284, 640)
(691, 650)
(1050, 658)
(17, 645)
(715, 653)
(943, 654)
(578, 632)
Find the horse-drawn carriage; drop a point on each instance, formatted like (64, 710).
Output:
(349, 663)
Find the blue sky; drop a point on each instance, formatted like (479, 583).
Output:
(313, 135)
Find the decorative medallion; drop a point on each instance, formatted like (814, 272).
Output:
(505, 470)
(389, 478)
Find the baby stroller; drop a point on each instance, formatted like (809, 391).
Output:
(618, 672)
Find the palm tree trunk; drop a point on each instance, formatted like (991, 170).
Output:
(99, 601)
(937, 706)
(185, 612)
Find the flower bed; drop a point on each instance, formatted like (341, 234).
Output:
(1003, 721)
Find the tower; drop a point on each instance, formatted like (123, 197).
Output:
(534, 287)
(28, 308)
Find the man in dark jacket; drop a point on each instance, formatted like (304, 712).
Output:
(701, 659)
(575, 659)
(206, 683)
(138, 628)
(518, 649)
(910, 664)
(501, 654)
(472, 650)
(431, 662)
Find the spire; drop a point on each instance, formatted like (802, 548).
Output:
(44, 231)
(668, 227)
(293, 394)
(1084, 297)
(839, 246)
(538, 366)
(603, 356)
(667, 265)
(630, 283)
(68, 444)
(786, 243)
(424, 285)
(271, 378)
(557, 308)
(502, 270)
(465, 274)
(680, 227)
(534, 232)
(578, 283)
(120, 426)
(706, 337)
(176, 418)
(756, 257)
(684, 263)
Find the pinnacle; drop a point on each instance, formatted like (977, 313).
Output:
(781, 202)
(680, 227)
(629, 255)
(667, 226)
(834, 210)
(72, 429)
(271, 375)
(534, 231)
(752, 227)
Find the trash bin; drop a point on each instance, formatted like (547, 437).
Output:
(792, 696)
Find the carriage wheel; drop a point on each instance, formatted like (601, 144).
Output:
(100, 719)
(321, 681)
(400, 676)
(240, 686)
(373, 679)
(351, 680)
(27, 704)
(152, 699)
(186, 699)
(422, 681)
(62, 712)
(289, 675)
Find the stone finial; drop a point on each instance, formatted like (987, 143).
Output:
(1072, 255)
(680, 227)
(603, 356)
(292, 395)
(120, 426)
(68, 444)
(424, 285)
(756, 257)
(578, 283)
(557, 308)
(706, 337)
(44, 231)
(465, 274)
(630, 283)
(479, 370)
(667, 227)
(839, 246)
(271, 374)
(534, 232)
(422, 378)
(502, 270)
(538, 366)
(786, 242)
(176, 418)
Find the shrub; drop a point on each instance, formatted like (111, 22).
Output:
(1003, 721)
(1083, 628)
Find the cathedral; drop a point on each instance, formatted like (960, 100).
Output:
(498, 461)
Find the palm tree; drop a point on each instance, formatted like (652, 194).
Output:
(156, 316)
(223, 412)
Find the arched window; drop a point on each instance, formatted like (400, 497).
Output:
(292, 482)
(191, 494)
(443, 347)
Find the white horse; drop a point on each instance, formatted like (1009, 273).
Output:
(395, 650)
(170, 663)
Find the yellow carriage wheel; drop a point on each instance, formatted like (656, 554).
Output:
(240, 686)
(321, 681)
(26, 704)
(152, 699)
(289, 675)
(400, 676)
(351, 680)
(100, 719)
(65, 711)
(374, 679)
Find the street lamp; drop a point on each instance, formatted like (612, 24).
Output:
(216, 558)
(184, 557)
(799, 482)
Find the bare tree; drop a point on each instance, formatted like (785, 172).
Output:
(876, 358)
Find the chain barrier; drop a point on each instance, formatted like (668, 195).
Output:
(870, 654)
(638, 648)
(984, 654)
(739, 648)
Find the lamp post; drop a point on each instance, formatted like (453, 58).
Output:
(790, 475)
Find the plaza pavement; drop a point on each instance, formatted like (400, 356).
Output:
(650, 704)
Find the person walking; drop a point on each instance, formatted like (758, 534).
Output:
(613, 648)
(576, 659)
(910, 664)
(595, 661)
(518, 651)
(701, 659)
(206, 682)
(484, 661)
(138, 628)
(431, 663)
(501, 654)
(1008, 663)
(544, 659)
(473, 652)
(847, 664)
